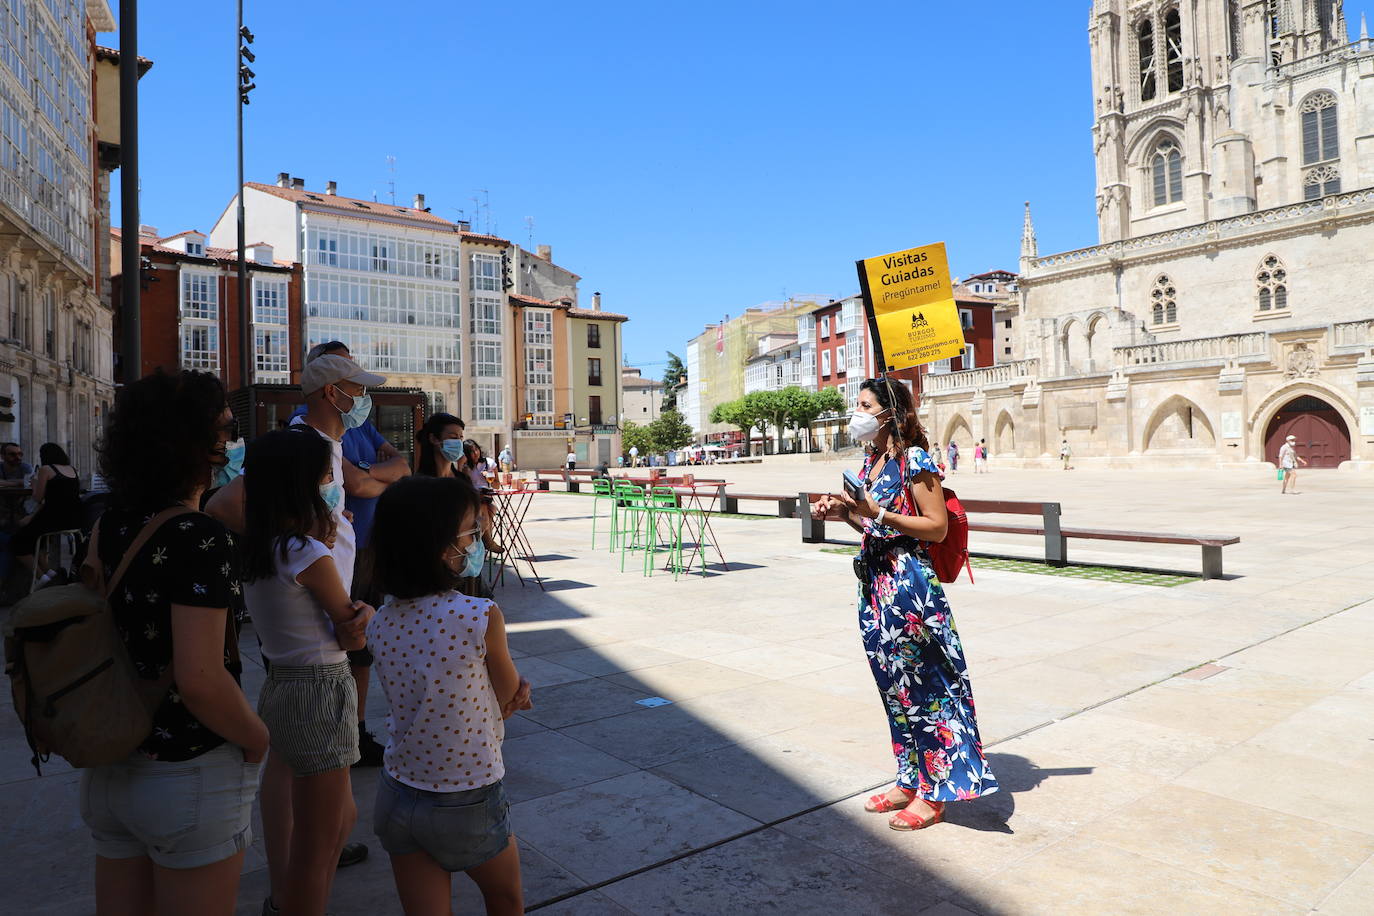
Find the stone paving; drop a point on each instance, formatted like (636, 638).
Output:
(1203, 748)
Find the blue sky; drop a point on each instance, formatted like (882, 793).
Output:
(687, 159)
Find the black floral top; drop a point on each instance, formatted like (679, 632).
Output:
(188, 561)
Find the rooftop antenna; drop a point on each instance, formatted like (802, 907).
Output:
(486, 205)
(476, 214)
(529, 231)
(391, 167)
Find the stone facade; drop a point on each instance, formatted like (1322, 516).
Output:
(1227, 300)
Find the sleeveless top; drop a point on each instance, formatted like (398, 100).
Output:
(61, 502)
(444, 728)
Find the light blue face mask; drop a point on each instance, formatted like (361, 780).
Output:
(452, 449)
(332, 494)
(357, 415)
(233, 466)
(476, 559)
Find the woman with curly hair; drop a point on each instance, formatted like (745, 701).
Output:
(908, 631)
(172, 821)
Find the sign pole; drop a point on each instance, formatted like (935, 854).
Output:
(879, 361)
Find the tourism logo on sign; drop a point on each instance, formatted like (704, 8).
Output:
(919, 321)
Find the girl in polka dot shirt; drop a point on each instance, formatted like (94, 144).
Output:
(450, 683)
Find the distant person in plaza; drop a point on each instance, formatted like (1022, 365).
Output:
(172, 822)
(936, 453)
(1066, 455)
(306, 621)
(1288, 464)
(908, 631)
(441, 805)
(14, 470)
(57, 493)
(980, 457)
(477, 472)
(953, 456)
(506, 460)
(572, 460)
(634, 456)
(602, 472)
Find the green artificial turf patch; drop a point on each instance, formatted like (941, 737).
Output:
(1100, 573)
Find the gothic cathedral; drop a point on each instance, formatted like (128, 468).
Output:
(1229, 300)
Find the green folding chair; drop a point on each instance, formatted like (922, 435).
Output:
(668, 506)
(636, 520)
(602, 492)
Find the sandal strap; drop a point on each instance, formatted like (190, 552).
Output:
(916, 822)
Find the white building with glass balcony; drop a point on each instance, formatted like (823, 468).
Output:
(385, 279)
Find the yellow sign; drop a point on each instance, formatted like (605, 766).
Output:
(910, 297)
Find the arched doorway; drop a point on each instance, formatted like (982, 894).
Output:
(1323, 437)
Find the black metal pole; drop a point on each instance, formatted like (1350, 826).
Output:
(131, 343)
(245, 328)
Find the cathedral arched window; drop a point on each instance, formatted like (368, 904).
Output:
(1164, 302)
(1234, 29)
(1321, 150)
(1166, 172)
(1173, 49)
(1145, 50)
(1271, 280)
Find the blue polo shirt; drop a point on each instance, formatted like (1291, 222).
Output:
(359, 445)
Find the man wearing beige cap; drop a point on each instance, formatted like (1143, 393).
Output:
(1288, 465)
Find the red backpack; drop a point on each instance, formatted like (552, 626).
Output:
(950, 557)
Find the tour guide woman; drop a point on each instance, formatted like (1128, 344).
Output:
(908, 632)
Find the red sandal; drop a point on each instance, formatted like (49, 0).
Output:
(881, 804)
(904, 820)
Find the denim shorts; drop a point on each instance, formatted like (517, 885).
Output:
(312, 714)
(459, 830)
(180, 814)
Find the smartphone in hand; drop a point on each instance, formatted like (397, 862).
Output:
(855, 487)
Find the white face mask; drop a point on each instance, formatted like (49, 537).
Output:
(863, 427)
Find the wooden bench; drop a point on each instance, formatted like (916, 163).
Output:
(1055, 534)
(787, 505)
(571, 479)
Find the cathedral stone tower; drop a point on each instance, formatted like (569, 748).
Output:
(1209, 109)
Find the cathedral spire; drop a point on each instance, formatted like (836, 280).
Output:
(1029, 248)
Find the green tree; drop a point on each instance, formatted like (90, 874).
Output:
(632, 434)
(735, 413)
(672, 377)
(670, 431)
(762, 407)
(801, 409)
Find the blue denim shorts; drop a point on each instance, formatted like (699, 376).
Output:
(180, 814)
(459, 830)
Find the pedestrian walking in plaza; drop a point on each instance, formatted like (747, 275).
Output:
(936, 453)
(953, 456)
(306, 622)
(172, 822)
(57, 493)
(506, 460)
(980, 457)
(572, 460)
(634, 456)
(908, 630)
(441, 805)
(1288, 465)
(1066, 455)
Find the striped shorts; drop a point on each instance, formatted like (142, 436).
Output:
(312, 714)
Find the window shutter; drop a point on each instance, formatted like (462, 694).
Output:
(1311, 148)
(1330, 146)
(1175, 177)
(1159, 182)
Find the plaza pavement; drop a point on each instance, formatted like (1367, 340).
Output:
(1207, 748)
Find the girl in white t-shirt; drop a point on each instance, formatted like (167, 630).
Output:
(305, 622)
(450, 683)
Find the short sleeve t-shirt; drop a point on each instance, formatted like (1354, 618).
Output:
(188, 561)
(360, 446)
(293, 628)
(444, 726)
(23, 472)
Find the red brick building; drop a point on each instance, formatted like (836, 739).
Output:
(189, 309)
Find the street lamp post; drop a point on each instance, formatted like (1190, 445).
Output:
(131, 343)
(246, 85)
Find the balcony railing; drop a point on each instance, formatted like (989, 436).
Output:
(1326, 58)
(1001, 374)
(1202, 349)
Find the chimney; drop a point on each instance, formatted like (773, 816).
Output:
(546, 252)
(283, 179)
(464, 225)
(419, 202)
(145, 229)
(596, 302)
(297, 184)
(331, 188)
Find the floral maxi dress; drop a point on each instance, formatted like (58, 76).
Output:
(915, 654)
